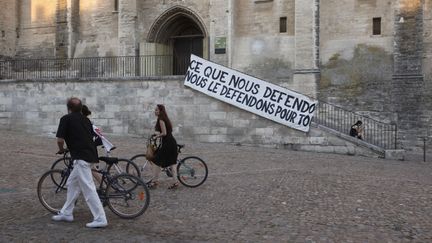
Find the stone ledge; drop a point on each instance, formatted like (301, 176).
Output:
(408, 76)
(390, 154)
(396, 154)
(148, 78)
(355, 141)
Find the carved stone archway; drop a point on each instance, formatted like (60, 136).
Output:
(156, 33)
(180, 32)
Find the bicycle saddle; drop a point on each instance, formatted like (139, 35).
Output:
(111, 148)
(109, 160)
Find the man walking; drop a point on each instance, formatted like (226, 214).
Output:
(76, 130)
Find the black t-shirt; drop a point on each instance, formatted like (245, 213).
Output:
(77, 131)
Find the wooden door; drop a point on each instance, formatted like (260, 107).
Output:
(183, 48)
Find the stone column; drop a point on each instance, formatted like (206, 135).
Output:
(127, 35)
(62, 32)
(220, 26)
(127, 27)
(306, 66)
(73, 20)
(9, 24)
(408, 80)
(231, 30)
(24, 22)
(408, 42)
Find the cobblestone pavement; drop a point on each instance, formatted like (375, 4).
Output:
(251, 195)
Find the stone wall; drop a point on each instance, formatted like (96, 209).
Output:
(344, 24)
(37, 29)
(222, 16)
(96, 29)
(85, 28)
(8, 27)
(251, 29)
(408, 79)
(125, 107)
(62, 32)
(427, 43)
(67, 28)
(361, 84)
(427, 64)
(384, 76)
(307, 54)
(357, 66)
(258, 47)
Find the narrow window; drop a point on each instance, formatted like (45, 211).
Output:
(283, 25)
(3, 33)
(116, 5)
(376, 26)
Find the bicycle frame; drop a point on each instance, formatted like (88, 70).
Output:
(116, 191)
(107, 154)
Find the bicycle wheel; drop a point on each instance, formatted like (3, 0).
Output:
(124, 166)
(192, 171)
(127, 196)
(146, 167)
(61, 163)
(51, 190)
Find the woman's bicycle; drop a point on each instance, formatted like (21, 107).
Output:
(192, 171)
(126, 195)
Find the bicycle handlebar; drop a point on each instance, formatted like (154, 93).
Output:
(65, 151)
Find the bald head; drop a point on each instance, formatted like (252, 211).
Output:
(74, 105)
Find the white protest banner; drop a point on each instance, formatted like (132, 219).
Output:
(248, 93)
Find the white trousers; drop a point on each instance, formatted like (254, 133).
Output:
(81, 180)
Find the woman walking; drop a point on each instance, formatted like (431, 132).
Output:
(167, 154)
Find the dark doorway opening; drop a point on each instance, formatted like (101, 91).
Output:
(187, 39)
(183, 47)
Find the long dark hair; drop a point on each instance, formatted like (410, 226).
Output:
(85, 111)
(164, 117)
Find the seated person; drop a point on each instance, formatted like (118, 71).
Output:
(357, 130)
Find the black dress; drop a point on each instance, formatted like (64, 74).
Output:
(166, 154)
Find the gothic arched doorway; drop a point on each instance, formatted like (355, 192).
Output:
(180, 31)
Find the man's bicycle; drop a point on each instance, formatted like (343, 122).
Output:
(122, 166)
(126, 195)
(192, 171)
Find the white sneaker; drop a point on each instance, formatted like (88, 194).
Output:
(97, 224)
(62, 217)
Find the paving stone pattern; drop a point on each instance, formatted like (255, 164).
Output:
(252, 195)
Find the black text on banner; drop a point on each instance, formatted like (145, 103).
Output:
(249, 93)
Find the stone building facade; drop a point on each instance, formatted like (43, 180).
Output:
(369, 56)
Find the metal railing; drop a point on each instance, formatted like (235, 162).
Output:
(87, 67)
(380, 134)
